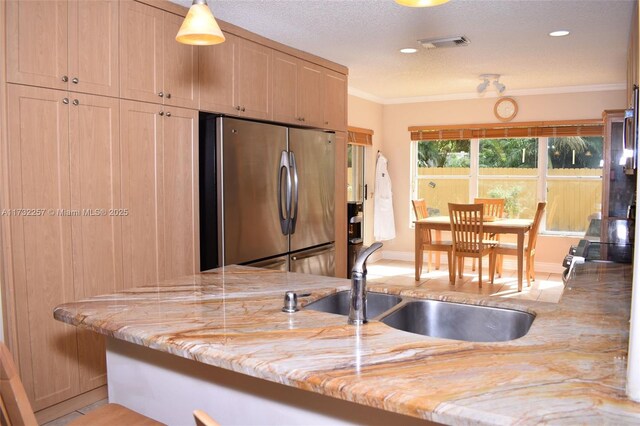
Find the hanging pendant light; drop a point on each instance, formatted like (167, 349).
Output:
(421, 3)
(199, 26)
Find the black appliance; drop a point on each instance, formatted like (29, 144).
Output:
(354, 233)
(606, 241)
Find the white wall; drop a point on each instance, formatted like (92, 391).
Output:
(394, 141)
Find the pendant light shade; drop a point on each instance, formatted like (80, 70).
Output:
(421, 3)
(199, 26)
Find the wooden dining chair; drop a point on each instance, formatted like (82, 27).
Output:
(493, 208)
(15, 408)
(203, 419)
(511, 249)
(429, 245)
(467, 233)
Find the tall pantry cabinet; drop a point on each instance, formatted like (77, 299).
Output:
(63, 153)
(106, 187)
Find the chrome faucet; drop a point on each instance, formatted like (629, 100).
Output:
(358, 299)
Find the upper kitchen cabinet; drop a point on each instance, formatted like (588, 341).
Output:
(298, 90)
(217, 76)
(235, 78)
(335, 100)
(253, 80)
(154, 67)
(69, 45)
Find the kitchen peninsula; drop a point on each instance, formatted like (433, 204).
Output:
(569, 368)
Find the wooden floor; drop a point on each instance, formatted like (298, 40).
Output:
(546, 288)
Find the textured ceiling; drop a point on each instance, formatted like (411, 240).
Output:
(508, 37)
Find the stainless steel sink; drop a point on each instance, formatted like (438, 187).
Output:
(338, 303)
(458, 321)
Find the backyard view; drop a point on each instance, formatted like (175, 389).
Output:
(567, 172)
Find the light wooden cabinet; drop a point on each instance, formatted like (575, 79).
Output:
(298, 90)
(236, 78)
(335, 100)
(217, 69)
(64, 154)
(253, 80)
(97, 231)
(285, 88)
(69, 45)
(153, 66)
(159, 187)
(180, 192)
(38, 149)
(632, 57)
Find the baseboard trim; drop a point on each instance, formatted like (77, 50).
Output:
(65, 407)
(509, 262)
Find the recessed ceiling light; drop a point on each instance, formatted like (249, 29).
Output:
(408, 50)
(559, 33)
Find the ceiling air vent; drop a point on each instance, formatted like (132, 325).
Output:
(438, 43)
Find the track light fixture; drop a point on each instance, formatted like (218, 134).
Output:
(486, 80)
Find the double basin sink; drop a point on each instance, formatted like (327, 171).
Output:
(435, 318)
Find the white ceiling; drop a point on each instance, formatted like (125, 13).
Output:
(508, 37)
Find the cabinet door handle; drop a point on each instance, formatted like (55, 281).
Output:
(168, 114)
(76, 102)
(161, 94)
(168, 96)
(161, 113)
(65, 101)
(75, 80)
(65, 78)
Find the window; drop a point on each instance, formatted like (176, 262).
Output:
(509, 169)
(574, 182)
(566, 171)
(442, 170)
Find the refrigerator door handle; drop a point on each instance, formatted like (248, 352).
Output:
(283, 171)
(294, 210)
(313, 253)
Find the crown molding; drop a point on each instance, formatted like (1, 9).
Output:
(365, 95)
(487, 95)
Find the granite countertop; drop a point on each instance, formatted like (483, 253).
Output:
(570, 367)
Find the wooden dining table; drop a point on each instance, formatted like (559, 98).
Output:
(519, 227)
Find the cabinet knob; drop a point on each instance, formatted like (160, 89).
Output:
(238, 107)
(161, 94)
(168, 96)
(242, 109)
(161, 113)
(65, 78)
(302, 118)
(76, 102)
(326, 122)
(65, 101)
(75, 80)
(168, 114)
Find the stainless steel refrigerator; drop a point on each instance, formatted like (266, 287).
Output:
(266, 196)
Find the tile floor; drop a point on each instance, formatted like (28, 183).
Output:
(546, 288)
(64, 420)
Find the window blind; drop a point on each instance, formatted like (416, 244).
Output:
(531, 129)
(359, 136)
